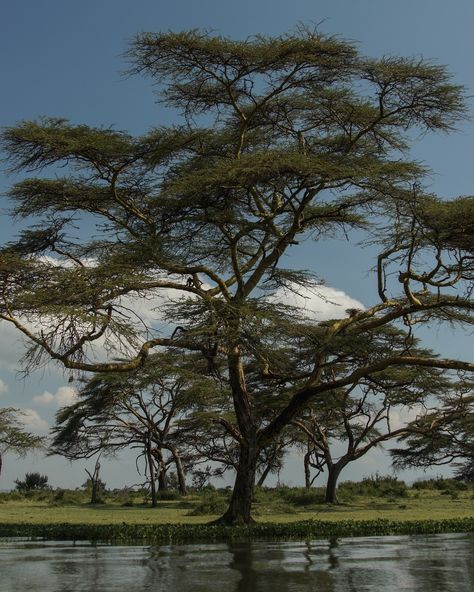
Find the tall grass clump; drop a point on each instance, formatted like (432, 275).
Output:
(440, 484)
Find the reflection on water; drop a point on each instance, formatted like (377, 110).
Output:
(435, 563)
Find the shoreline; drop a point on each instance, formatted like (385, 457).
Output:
(200, 533)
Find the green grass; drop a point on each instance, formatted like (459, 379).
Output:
(283, 506)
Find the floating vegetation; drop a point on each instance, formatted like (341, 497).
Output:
(179, 533)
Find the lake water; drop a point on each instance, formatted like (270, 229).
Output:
(434, 563)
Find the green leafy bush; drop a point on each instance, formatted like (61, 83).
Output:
(302, 496)
(168, 494)
(441, 484)
(67, 497)
(210, 502)
(32, 481)
(374, 486)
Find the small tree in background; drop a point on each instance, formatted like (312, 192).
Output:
(32, 482)
(94, 484)
(142, 410)
(342, 427)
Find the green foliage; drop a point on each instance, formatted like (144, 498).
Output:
(180, 533)
(272, 500)
(451, 222)
(302, 496)
(443, 434)
(32, 482)
(10, 496)
(13, 436)
(304, 138)
(210, 502)
(465, 471)
(440, 484)
(87, 486)
(374, 486)
(168, 494)
(66, 497)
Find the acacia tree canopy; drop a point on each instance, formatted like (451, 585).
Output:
(282, 139)
(13, 436)
(141, 410)
(340, 427)
(445, 433)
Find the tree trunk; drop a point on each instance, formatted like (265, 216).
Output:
(239, 510)
(151, 476)
(334, 471)
(95, 492)
(1, 463)
(162, 480)
(307, 470)
(264, 475)
(95, 482)
(240, 507)
(179, 471)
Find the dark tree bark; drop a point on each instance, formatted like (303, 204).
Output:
(95, 493)
(161, 469)
(179, 471)
(240, 507)
(307, 469)
(95, 483)
(151, 476)
(334, 470)
(162, 479)
(264, 475)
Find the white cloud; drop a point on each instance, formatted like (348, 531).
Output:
(65, 395)
(319, 302)
(33, 421)
(3, 387)
(402, 416)
(11, 347)
(150, 309)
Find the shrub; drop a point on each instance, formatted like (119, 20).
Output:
(440, 484)
(168, 494)
(210, 502)
(304, 496)
(67, 497)
(268, 495)
(32, 481)
(375, 486)
(11, 496)
(41, 495)
(127, 495)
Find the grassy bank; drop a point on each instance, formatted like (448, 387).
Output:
(371, 508)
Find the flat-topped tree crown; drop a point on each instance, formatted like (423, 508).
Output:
(282, 139)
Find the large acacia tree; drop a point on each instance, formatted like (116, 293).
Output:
(282, 139)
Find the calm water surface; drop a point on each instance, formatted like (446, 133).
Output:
(435, 563)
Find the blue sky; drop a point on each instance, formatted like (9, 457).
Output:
(65, 59)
